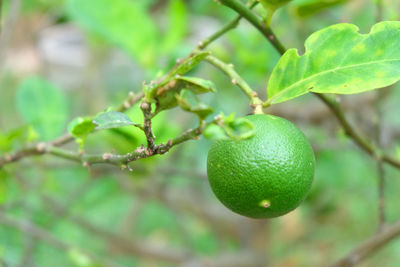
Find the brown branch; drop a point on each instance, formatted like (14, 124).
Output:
(130, 101)
(333, 105)
(122, 160)
(41, 234)
(350, 131)
(229, 26)
(261, 26)
(36, 149)
(51, 147)
(148, 131)
(121, 243)
(369, 246)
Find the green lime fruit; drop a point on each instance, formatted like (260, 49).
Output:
(266, 175)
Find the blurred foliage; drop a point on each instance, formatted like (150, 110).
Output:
(165, 198)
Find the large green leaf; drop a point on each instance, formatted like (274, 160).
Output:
(125, 23)
(42, 105)
(339, 60)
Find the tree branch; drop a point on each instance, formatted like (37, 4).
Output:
(51, 147)
(123, 244)
(40, 233)
(369, 246)
(349, 130)
(229, 26)
(332, 104)
(255, 102)
(256, 22)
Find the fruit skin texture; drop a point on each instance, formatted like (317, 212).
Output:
(265, 176)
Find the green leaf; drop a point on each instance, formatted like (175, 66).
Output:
(177, 25)
(189, 63)
(112, 119)
(239, 128)
(339, 60)
(80, 127)
(230, 128)
(273, 4)
(124, 23)
(214, 132)
(311, 7)
(16, 138)
(197, 85)
(188, 101)
(165, 96)
(42, 105)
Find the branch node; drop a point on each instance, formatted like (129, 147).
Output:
(106, 156)
(41, 147)
(8, 157)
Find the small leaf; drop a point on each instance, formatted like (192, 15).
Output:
(112, 119)
(239, 129)
(339, 60)
(197, 85)
(311, 7)
(188, 101)
(273, 4)
(165, 96)
(214, 132)
(17, 138)
(189, 63)
(80, 127)
(42, 105)
(236, 129)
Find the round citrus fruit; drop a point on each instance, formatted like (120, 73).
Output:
(266, 175)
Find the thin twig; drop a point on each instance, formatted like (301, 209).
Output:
(236, 79)
(51, 147)
(349, 130)
(369, 246)
(332, 104)
(379, 10)
(378, 132)
(244, 11)
(42, 234)
(114, 159)
(229, 26)
(381, 194)
(144, 249)
(130, 101)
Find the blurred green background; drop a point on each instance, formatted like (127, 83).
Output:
(89, 55)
